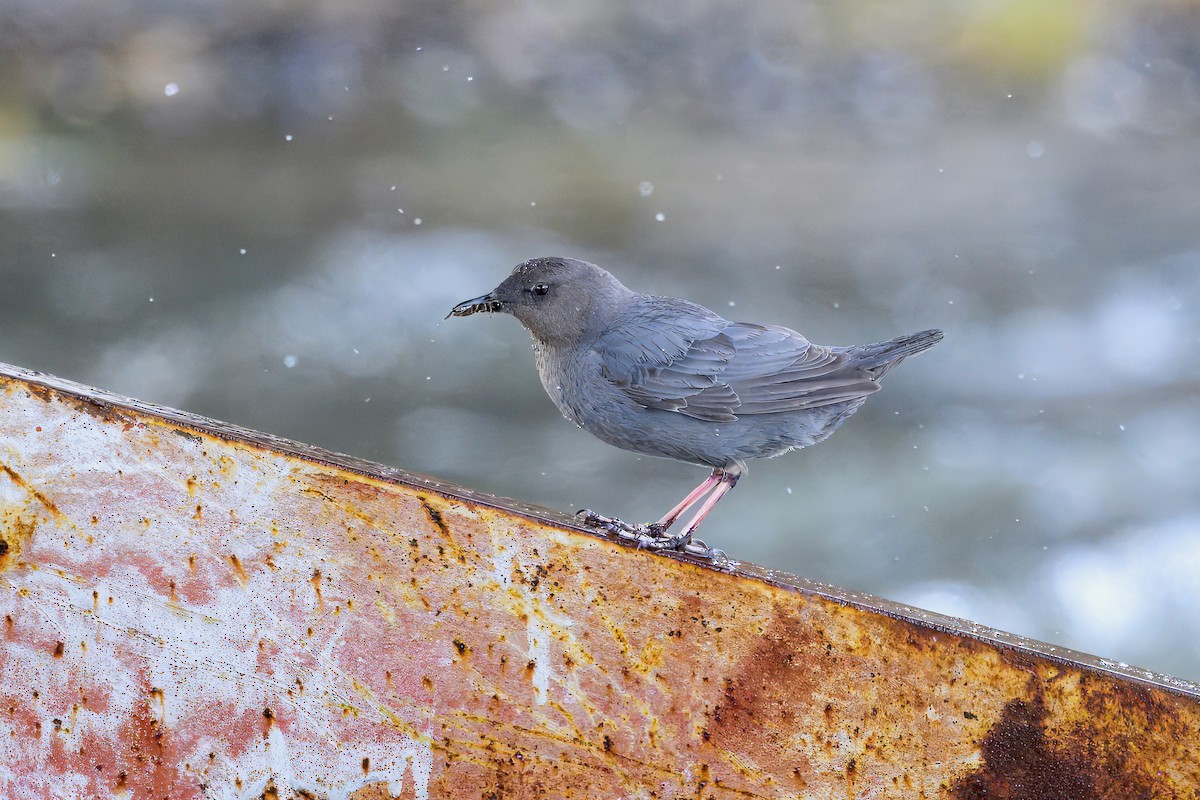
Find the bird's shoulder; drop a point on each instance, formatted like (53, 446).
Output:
(652, 331)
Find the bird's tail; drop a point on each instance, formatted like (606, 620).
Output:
(882, 356)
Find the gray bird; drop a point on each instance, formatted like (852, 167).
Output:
(666, 377)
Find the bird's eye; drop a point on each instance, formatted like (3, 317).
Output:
(540, 289)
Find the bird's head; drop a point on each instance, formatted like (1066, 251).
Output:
(558, 300)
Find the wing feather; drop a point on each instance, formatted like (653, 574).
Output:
(681, 357)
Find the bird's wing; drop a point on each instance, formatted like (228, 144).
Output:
(705, 367)
(776, 369)
(666, 354)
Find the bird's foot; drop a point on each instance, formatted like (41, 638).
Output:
(615, 526)
(651, 536)
(684, 543)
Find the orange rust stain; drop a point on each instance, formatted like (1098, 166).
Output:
(769, 695)
(191, 485)
(93, 406)
(46, 503)
(238, 569)
(43, 393)
(651, 658)
(316, 583)
(15, 530)
(379, 791)
(199, 515)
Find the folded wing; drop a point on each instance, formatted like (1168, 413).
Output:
(691, 361)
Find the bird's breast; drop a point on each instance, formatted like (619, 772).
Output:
(558, 379)
(573, 381)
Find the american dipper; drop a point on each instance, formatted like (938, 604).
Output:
(666, 377)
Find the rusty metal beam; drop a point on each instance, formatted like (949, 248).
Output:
(192, 610)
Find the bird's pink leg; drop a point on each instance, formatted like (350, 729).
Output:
(675, 513)
(727, 481)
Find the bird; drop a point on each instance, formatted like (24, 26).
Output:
(663, 376)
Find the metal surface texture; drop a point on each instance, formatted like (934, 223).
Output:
(191, 610)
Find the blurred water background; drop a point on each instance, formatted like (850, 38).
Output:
(261, 212)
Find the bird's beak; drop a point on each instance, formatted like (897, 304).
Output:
(487, 302)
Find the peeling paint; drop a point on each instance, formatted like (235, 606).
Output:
(326, 628)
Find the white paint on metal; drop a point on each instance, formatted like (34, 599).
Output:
(159, 598)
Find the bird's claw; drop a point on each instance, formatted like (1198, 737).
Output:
(651, 536)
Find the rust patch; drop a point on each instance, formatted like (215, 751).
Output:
(316, 584)
(191, 436)
(764, 701)
(103, 410)
(146, 765)
(93, 406)
(435, 517)
(238, 569)
(1020, 762)
(379, 791)
(15, 530)
(45, 502)
(1079, 736)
